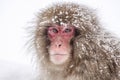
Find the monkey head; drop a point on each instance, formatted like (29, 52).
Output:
(58, 29)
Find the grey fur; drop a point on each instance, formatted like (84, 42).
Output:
(96, 53)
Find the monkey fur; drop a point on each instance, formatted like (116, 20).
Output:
(95, 51)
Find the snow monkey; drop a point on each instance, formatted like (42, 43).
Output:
(71, 44)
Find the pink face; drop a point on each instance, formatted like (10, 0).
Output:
(60, 47)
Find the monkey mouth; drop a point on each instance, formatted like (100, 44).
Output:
(59, 58)
(58, 54)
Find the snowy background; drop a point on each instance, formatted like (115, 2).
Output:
(15, 62)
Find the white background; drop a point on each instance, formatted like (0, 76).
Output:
(15, 62)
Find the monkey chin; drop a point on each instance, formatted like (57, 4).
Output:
(59, 59)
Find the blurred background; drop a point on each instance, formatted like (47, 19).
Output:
(16, 63)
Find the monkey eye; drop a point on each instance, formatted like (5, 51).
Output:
(54, 30)
(67, 30)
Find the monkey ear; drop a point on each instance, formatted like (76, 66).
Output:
(77, 32)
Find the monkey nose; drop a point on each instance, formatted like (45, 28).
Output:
(58, 44)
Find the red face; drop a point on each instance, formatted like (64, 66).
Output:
(60, 48)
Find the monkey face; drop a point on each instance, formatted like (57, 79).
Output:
(60, 38)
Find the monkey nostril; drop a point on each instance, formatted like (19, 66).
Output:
(59, 45)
